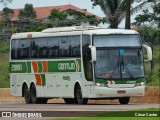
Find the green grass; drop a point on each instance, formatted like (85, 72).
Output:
(4, 47)
(116, 116)
(4, 70)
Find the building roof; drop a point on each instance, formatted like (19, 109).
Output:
(44, 12)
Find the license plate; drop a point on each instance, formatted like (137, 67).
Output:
(121, 92)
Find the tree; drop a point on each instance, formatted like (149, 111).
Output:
(149, 33)
(28, 12)
(148, 17)
(70, 18)
(115, 10)
(27, 18)
(57, 18)
(128, 16)
(6, 18)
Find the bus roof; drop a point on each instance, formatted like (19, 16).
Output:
(75, 30)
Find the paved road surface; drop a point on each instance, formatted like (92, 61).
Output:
(72, 107)
(60, 109)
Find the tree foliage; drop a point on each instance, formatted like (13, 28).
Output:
(148, 16)
(115, 10)
(27, 12)
(26, 18)
(70, 18)
(6, 19)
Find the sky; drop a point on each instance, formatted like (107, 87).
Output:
(83, 4)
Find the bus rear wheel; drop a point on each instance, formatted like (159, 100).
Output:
(34, 98)
(69, 100)
(78, 96)
(26, 93)
(124, 100)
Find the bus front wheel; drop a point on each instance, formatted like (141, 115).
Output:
(27, 94)
(78, 96)
(124, 100)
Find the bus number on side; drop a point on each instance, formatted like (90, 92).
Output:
(16, 67)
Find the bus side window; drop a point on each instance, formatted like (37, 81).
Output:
(75, 46)
(33, 50)
(15, 46)
(53, 47)
(53, 52)
(64, 47)
(43, 53)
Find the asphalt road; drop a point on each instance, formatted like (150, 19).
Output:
(53, 110)
(4, 106)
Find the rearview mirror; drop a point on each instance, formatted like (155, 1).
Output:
(93, 53)
(149, 52)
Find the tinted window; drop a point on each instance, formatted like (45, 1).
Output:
(75, 46)
(64, 47)
(52, 47)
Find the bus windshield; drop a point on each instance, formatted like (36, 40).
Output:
(118, 62)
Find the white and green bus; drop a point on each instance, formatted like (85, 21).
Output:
(77, 64)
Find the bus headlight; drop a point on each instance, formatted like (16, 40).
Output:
(140, 84)
(101, 85)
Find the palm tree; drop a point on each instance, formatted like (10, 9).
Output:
(128, 16)
(115, 10)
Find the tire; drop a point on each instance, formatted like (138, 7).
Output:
(78, 96)
(69, 100)
(124, 100)
(34, 98)
(26, 94)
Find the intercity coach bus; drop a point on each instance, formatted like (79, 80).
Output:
(76, 64)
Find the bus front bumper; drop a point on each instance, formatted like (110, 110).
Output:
(105, 92)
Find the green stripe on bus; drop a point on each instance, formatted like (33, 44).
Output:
(29, 67)
(64, 66)
(39, 66)
(53, 66)
(43, 77)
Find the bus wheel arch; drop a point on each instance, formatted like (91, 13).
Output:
(78, 98)
(26, 93)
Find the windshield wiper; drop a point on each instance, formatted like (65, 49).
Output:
(130, 73)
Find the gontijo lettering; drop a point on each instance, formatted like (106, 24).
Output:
(66, 66)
